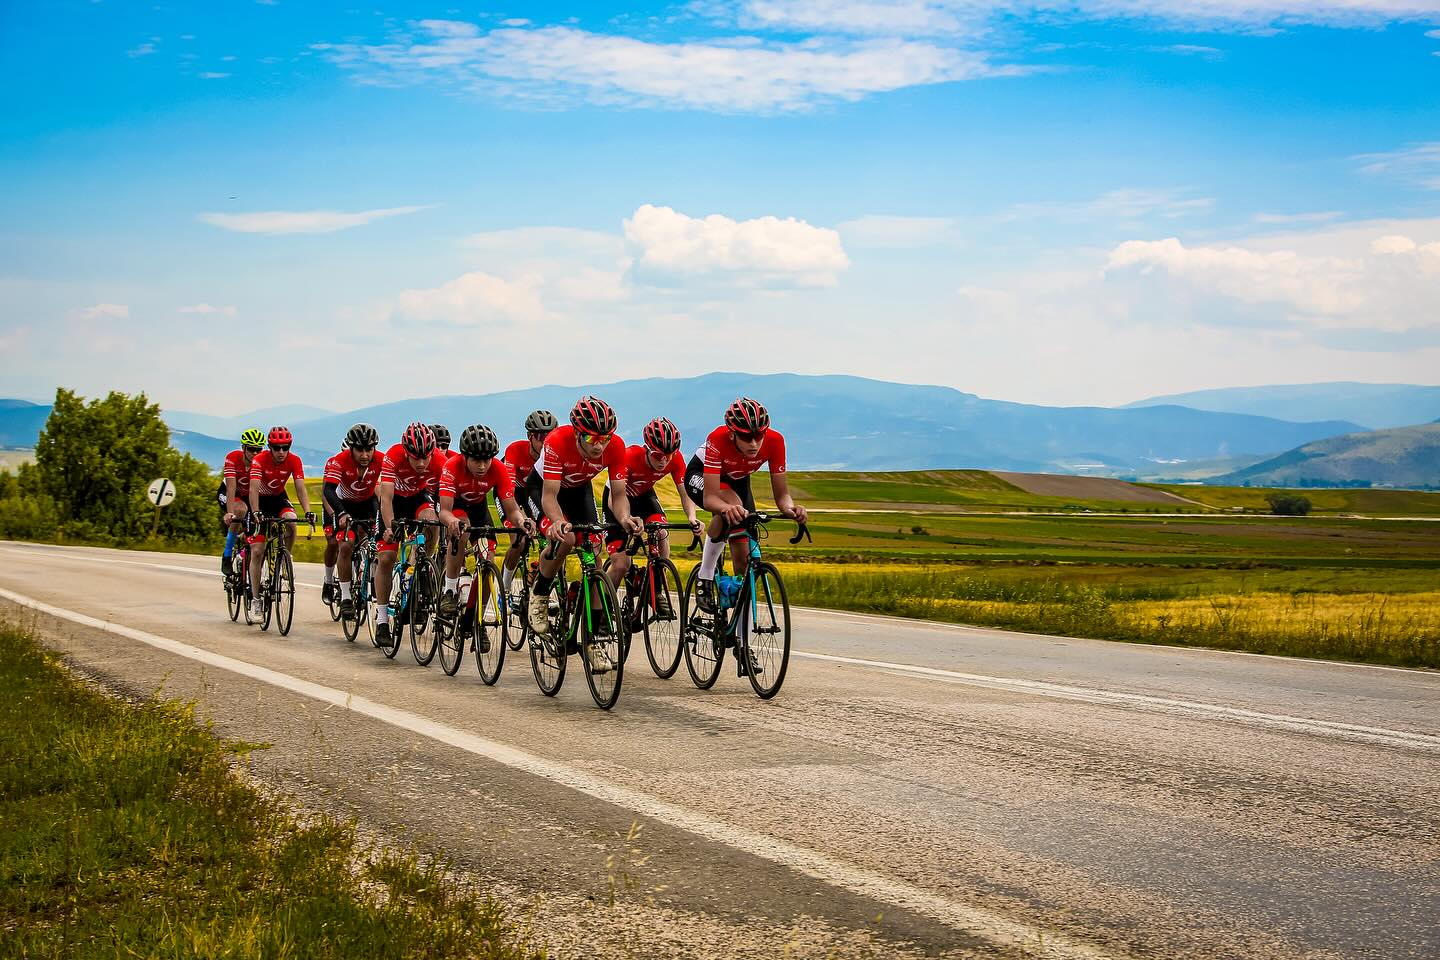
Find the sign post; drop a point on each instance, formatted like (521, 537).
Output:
(160, 492)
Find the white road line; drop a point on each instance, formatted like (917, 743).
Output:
(977, 921)
(1192, 708)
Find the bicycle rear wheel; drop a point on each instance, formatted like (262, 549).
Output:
(662, 616)
(450, 640)
(234, 593)
(284, 591)
(489, 624)
(517, 623)
(422, 614)
(702, 638)
(766, 642)
(267, 587)
(351, 626)
(604, 639)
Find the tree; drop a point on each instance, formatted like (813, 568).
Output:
(1288, 504)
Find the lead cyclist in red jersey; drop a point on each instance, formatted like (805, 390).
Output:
(409, 483)
(645, 464)
(521, 457)
(234, 492)
(469, 477)
(271, 469)
(560, 484)
(718, 478)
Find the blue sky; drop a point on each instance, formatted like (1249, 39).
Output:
(1087, 201)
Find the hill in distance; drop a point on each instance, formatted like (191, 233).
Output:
(230, 427)
(1373, 405)
(853, 423)
(1399, 457)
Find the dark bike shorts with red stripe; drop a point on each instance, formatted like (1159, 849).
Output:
(646, 506)
(695, 484)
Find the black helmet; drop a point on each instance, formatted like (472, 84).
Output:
(541, 421)
(479, 441)
(442, 435)
(362, 436)
(593, 416)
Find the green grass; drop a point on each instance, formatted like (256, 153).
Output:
(1398, 503)
(127, 834)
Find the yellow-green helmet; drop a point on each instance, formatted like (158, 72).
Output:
(252, 438)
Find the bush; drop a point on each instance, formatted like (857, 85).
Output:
(1288, 504)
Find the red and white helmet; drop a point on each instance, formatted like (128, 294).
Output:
(747, 416)
(593, 416)
(418, 440)
(662, 436)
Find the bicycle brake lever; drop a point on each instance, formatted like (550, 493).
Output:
(801, 530)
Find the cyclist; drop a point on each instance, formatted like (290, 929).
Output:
(352, 478)
(718, 478)
(327, 523)
(269, 472)
(573, 455)
(470, 475)
(442, 438)
(520, 457)
(234, 492)
(645, 464)
(409, 481)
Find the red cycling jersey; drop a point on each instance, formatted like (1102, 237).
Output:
(720, 455)
(520, 460)
(641, 477)
(397, 470)
(236, 470)
(562, 460)
(270, 476)
(351, 481)
(457, 481)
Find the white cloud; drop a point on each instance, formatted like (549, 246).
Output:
(207, 309)
(212, 75)
(474, 299)
(1322, 216)
(897, 232)
(1358, 278)
(1418, 164)
(311, 221)
(765, 251)
(883, 17)
(103, 311)
(560, 63)
(142, 50)
(1126, 204)
(1433, 34)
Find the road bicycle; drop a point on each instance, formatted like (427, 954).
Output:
(587, 621)
(237, 579)
(362, 582)
(277, 578)
(752, 617)
(481, 623)
(412, 592)
(654, 602)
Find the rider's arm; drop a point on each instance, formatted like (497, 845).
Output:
(387, 505)
(300, 489)
(780, 485)
(619, 501)
(231, 507)
(550, 502)
(331, 494)
(447, 510)
(512, 512)
(686, 503)
(713, 501)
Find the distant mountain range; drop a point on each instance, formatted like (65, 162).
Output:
(835, 422)
(1373, 405)
(830, 422)
(1398, 457)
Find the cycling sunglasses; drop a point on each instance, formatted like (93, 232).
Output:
(251, 450)
(742, 435)
(594, 439)
(280, 449)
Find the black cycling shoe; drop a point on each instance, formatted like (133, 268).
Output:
(741, 670)
(347, 608)
(327, 592)
(382, 634)
(705, 595)
(226, 568)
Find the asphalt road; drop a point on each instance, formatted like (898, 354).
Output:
(915, 790)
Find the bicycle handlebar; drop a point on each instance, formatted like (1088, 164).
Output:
(493, 531)
(760, 518)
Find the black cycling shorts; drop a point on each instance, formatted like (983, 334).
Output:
(359, 511)
(695, 484)
(477, 513)
(646, 506)
(577, 504)
(408, 508)
(275, 505)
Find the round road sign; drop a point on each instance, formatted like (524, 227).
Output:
(161, 492)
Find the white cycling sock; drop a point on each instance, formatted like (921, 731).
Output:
(452, 584)
(507, 576)
(329, 573)
(345, 590)
(382, 614)
(709, 557)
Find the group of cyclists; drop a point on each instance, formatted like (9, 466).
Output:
(541, 484)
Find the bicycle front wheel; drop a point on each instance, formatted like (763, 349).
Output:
(548, 653)
(489, 623)
(517, 623)
(284, 592)
(765, 630)
(234, 594)
(662, 616)
(351, 625)
(702, 637)
(604, 638)
(267, 588)
(422, 614)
